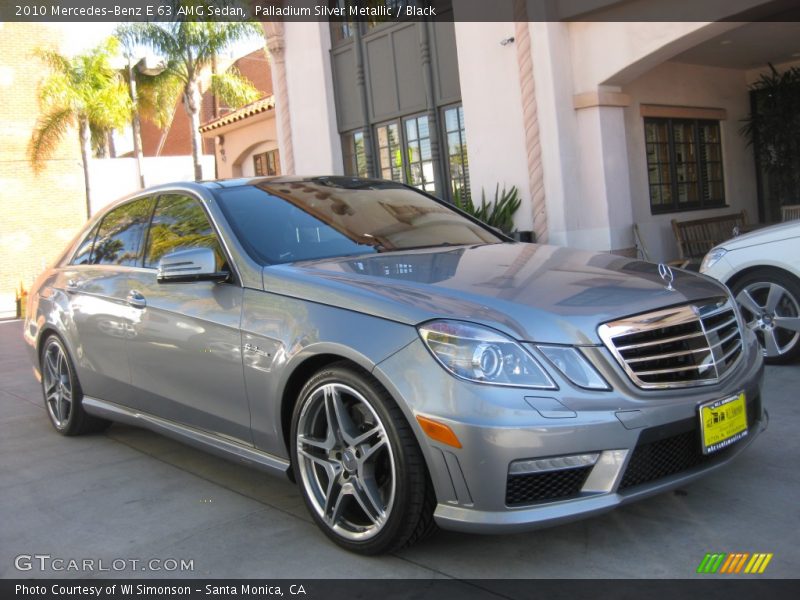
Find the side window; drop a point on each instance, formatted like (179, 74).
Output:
(119, 239)
(83, 255)
(180, 222)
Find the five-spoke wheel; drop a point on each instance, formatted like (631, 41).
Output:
(770, 305)
(358, 465)
(57, 384)
(62, 391)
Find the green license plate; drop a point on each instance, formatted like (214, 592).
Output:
(723, 422)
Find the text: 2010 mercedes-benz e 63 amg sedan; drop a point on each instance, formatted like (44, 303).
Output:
(406, 365)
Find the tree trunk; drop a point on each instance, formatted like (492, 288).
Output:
(192, 101)
(215, 114)
(136, 124)
(112, 147)
(102, 147)
(86, 153)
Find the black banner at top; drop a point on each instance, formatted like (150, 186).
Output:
(377, 11)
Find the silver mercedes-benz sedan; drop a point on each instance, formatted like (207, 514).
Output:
(406, 365)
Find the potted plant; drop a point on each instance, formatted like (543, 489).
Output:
(498, 213)
(773, 130)
(22, 300)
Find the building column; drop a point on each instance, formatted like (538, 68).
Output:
(276, 50)
(530, 119)
(604, 205)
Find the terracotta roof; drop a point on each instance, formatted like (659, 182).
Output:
(261, 105)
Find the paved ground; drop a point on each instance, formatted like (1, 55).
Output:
(131, 494)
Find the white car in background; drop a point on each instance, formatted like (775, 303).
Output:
(762, 269)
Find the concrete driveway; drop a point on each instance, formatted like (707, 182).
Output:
(132, 495)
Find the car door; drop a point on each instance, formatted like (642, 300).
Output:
(96, 283)
(185, 354)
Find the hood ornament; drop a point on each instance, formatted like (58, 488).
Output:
(665, 272)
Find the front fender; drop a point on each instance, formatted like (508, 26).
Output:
(281, 334)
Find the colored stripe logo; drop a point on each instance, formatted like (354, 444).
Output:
(735, 563)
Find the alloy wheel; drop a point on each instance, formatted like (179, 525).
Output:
(57, 384)
(346, 462)
(773, 313)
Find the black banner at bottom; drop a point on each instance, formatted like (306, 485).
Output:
(389, 589)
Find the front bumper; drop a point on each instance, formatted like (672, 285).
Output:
(647, 441)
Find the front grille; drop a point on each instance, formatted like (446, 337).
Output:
(541, 487)
(693, 344)
(675, 448)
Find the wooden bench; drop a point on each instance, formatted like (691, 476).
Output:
(790, 212)
(696, 237)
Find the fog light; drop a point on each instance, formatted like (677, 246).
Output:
(554, 463)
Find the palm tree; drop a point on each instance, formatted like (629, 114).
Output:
(83, 91)
(188, 49)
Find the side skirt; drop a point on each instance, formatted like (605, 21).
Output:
(194, 437)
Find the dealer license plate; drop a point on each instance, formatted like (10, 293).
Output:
(723, 422)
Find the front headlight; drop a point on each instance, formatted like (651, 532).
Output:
(712, 258)
(483, 355)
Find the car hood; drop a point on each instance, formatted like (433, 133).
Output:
(765, 235)
(532, 292)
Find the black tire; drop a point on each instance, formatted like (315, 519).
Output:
(69, 418)
(408, 503)
(781, 345)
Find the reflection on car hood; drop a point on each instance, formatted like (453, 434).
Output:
(533, 292)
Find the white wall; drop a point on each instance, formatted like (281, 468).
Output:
(114, 178)
(690, 85)
(315, 138)
(616, 52)
(491, 96)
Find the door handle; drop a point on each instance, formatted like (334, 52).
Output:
(73, 286)
(136, 300)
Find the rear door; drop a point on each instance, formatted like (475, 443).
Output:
(97, 283)
(185, 351)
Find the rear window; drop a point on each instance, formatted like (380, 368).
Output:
(121, 234)
(83, 255)
(279, 222)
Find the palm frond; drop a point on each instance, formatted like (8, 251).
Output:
(157, 96)
(56, 62)
(47, 135)
(111, 106)
(57, 91)
(161, 38)
(221, 35)
(234, 89)
(85, 87)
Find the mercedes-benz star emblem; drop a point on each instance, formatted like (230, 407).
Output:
(666, 274)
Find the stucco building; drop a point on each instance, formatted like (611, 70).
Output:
(601, 124)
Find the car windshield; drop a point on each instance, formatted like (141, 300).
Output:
(285, 221)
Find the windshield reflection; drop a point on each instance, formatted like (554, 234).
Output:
(282, 221)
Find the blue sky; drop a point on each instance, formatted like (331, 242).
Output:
(77, 37)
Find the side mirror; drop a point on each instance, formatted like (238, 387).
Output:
(190, 264)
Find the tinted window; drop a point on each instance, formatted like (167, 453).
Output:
(282, 222)
(180, 222)
(83, 255)
(119, 239)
